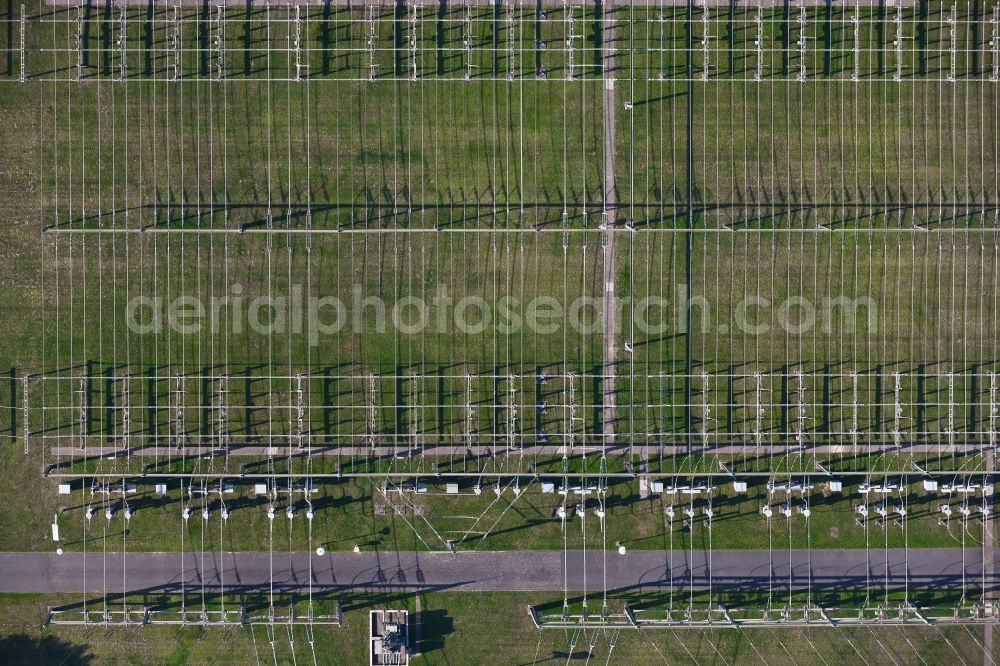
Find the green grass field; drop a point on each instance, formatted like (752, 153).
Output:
(451, 631)
(357, 513)
(822, 182)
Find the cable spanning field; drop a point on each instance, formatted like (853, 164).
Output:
(709, 136)
(597, 279)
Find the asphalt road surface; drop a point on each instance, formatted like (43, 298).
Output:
(488, 571)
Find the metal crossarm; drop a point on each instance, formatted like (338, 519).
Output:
(222, 410)
(295, 18)
(898, 76)
(178, 421)
(953, 40)
(415, 409)
(802, 405)
(372, 409)
(661, 75)
(24, 26)
(760, 408)
(300, 412)
(468, 41)
(511, 41)
(512, 413)
(470, 413)
(122, 43)
(855, 420)
(897, 409)
(126, 415)
(414, 11)
(856, 23)
(220, 43)
(995, 43)
(994, 412)
(298, 43)
(950, 424)
(81, 402)
(803, 44)
(372, 38)
(571, 417)
(175, 44)
(759, 43)
(570, 40)
(706, 33)
(24, 411)
(706, 408)
(79, 42)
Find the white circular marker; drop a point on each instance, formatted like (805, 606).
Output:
(621, 550)
(59, 551)
(321, 551)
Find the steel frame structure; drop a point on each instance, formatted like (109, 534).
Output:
(299, 49)
(816, 616)
(147, 616)
(745, 395)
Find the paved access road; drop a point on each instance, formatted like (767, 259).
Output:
(486, 571)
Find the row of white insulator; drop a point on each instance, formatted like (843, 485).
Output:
(205, 513)
(881, 510)
(561, 512)
(688, 511)
(289, 512)
(785, 510)
(964, 510)
(109, 512)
